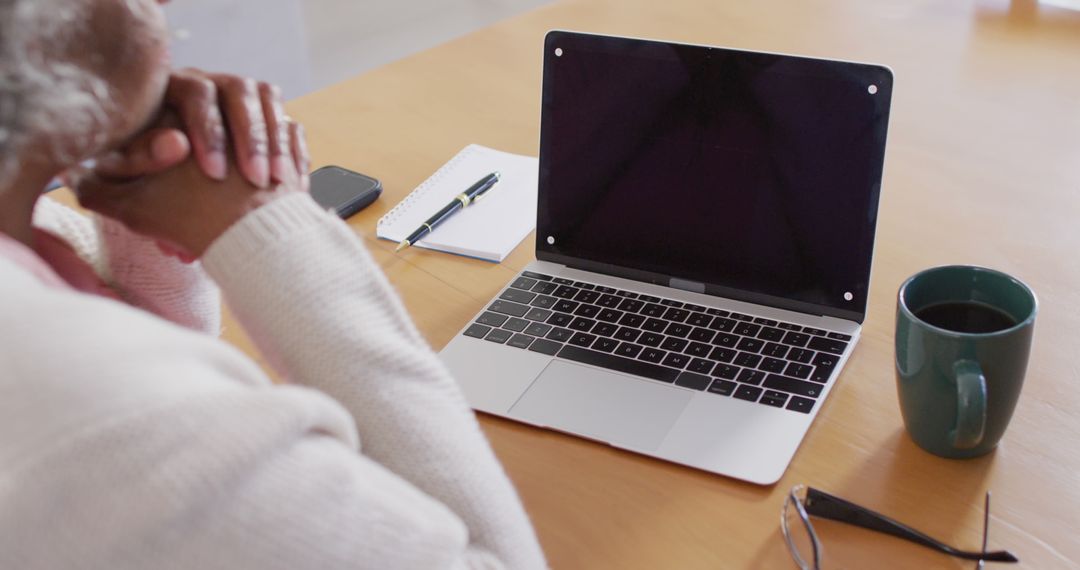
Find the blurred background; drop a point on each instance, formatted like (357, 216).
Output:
(304, 45)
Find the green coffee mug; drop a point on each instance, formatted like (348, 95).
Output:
(963, 335)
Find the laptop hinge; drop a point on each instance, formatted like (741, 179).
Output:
(692, 286)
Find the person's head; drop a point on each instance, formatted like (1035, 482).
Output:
(76, 77)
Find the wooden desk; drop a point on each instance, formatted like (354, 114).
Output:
(982, 168)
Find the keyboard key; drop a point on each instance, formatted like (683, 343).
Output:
(604, 289)
(582, 324)
(588, 311)
(675, 344)
(775, 350)
(608, 301)
(717, 312)
(536, 275)
(776, 365)
(699, 320)
(764, 321)
(477, 330)
(726, 371)
(562, 280)
(604, 329)
(630, 305)
(817, 332)
(509, 308)
(693, 381)
(671, 303)
(516, 324)
(491, 319)
(839, 336)
(652, 355)
(649, 299)
(722, 387)
(587, 296)
(701, 335)
(698, 349)
(726, 339)
(631, 320)
(722, 324)
(800, 355)
(691, 307)
(800, 404)
(774, 398)
(796, 339)
(796, 370)
(566, 292)
(748, 393)
(627, 334)
(564, 306)
(655, 325)
(676, 315)
(750, 345)
(785, 384)
(676, 360)
(653, 310)
(651, 339)
(609, 315)
(583, 285)
(748, 376)
(544, 288)
(499, 335)
(741, 317)
(536, 314)
(560, 319)
(821, 374)
(545, 346)
(748, 360)
(790, 327)
(723, 354)
(826, 360)
(827, 345)
(538, 329)
(769, 333)
(629, 349)
(701, 366)
(524, 283)
(619, 363)
(605, 344)
(520, 341)
(626, 294)
(560, 335)
(582, 339)
(678, 329)
(544, 302)
(747, 329)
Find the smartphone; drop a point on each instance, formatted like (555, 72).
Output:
(342, 190)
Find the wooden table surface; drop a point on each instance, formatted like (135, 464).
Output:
(983, 167)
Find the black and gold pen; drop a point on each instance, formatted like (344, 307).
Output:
(469, 196)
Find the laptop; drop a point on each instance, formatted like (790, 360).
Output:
(705, 228)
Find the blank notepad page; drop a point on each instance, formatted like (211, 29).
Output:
(488, 229)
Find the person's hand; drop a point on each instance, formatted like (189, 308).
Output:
(212, 107)
(183, 209)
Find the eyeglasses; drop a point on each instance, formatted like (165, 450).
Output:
(805, 547)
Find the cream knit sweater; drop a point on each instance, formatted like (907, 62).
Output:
(129, 440)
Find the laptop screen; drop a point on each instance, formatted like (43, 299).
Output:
(748, 175)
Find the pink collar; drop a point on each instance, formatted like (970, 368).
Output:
(54, 263)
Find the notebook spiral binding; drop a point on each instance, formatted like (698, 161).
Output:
(420, 190)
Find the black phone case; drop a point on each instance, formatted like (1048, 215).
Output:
(361, 200)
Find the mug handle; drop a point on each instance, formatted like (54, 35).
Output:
(970, 405)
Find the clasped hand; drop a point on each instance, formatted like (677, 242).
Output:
(221, 147)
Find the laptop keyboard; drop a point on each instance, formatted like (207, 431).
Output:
(774, 363)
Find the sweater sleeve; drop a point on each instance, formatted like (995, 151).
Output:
(134, 267)
(319, 308)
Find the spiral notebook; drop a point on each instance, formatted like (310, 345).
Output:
(489, 229)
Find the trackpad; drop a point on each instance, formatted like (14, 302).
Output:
(608, 406)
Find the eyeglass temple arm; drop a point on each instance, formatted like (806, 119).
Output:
(823, 505)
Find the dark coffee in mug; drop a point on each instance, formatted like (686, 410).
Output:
(966, 317)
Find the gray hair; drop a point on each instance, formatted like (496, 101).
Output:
(42, 97)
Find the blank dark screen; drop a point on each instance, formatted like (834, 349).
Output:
(742, 171)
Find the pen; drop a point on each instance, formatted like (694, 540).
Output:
(472, 194)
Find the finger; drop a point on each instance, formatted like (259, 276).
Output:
(194, 96)
(154, 151)
(277, 129)
(300, 153)
(97, 195)
(239, 100)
